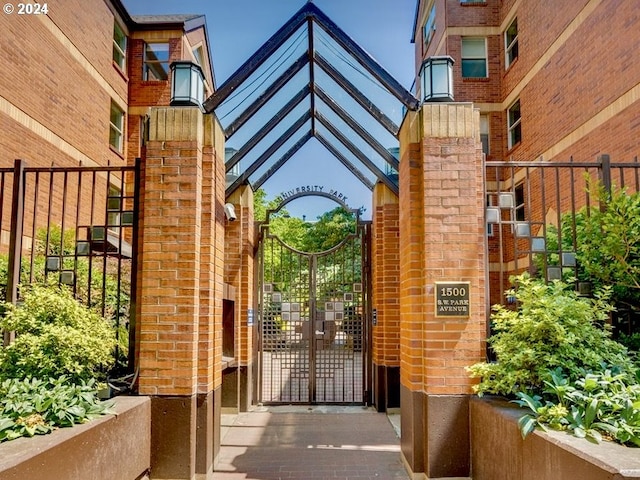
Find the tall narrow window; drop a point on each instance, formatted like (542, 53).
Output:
(156, 61)
(119, 46)
(514, 125)
(116, 127)
(474, 57)
(429, 28)
(484, 133)
(511, 43)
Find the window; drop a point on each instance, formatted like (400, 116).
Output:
(119, 46)
(511, 43)
(484, 133)
(116, 127)
(198, 54)
(429, 28)
(514, 126)
(156, 61)
(474, 57)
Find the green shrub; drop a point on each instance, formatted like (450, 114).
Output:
(55, 336)
(552, 328)
(35, 407)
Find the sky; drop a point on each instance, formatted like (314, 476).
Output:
(238, 28)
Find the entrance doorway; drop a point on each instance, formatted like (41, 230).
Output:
(314, 331)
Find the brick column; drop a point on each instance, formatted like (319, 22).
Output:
(239, 273)
(442, 238)
(386, 298)
(178, 286)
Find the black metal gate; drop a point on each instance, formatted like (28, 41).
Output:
(313, 344)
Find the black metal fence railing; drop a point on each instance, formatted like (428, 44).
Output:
(75, 226)
(534, 221)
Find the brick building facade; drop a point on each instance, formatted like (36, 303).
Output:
(568, 68)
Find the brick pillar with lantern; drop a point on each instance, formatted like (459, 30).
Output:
(442, 284)
(179, 288)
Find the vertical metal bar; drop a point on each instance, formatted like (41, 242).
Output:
(133, 294)
(15, 240)
(63, 209)
(33, 226)
(90, 239)
(574, 234)
(543, 198)
(313, 265)
(105, 245)
(76, 235)
(2, 181)
(605, 174)
(48, 231)
(558, 220)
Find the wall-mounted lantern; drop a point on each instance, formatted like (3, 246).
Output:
(187, 84)
(436, 75)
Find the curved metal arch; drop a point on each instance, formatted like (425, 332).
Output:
(313, 193)
(342, 242)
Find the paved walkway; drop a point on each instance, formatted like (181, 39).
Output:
(309, 443)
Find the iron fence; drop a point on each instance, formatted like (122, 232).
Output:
(534, 217)
(74, 226)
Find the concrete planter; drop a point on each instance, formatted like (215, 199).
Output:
(113, 446)
(499, 453)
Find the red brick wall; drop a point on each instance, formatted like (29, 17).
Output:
(580, 82)
(41, 78)
(386, 277)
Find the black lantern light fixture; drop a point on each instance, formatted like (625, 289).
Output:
(436, 75)
(187, 84)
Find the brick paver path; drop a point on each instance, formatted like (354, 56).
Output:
(308, 444)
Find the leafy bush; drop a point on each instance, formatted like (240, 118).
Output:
(598, 405)
(35, 407)
(552, 328)
(55, 336)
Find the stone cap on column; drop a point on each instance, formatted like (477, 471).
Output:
(175, 124)
(446, 120)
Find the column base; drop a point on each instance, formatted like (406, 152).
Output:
(435, 434)
(386, 390)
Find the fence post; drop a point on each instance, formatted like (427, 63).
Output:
(15, 239)
(605, 172)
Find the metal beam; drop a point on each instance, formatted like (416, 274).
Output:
(344, 160)
(363, 58)
(270, 125)
(268, 153)
(352, 90)
(349, 120)
(256, 60)
(358, 153)
(276, 166)
(268, 94)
